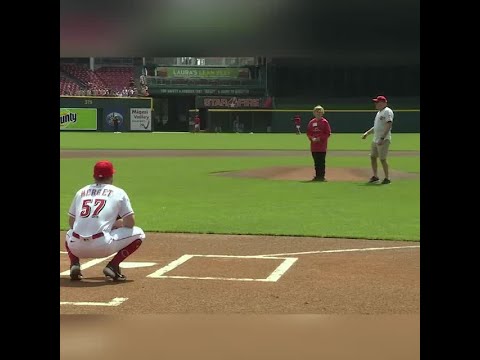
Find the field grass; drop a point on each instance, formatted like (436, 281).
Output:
(182, 194)
(89, 140)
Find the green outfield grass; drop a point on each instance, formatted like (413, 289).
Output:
(182, 195)
(89, 140)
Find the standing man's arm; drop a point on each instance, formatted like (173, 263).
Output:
(388, 126)
(368, 132)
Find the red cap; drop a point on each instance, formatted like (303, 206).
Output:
(380, 98)
(103, 169)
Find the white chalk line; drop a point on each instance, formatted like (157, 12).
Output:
(273, 277)
(342, 250)
(213, 278)
(88, 264)
(171, 266)
(113, 302)
(186, 257)
(281, 269)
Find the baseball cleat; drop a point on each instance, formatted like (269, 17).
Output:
(75, 273)
(386, 181)
(373, 179)
(114, 273)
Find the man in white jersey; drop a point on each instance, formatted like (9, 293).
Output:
(382, 136)
(102, 223)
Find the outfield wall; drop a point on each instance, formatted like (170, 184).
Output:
(281, 121)
(81, 113)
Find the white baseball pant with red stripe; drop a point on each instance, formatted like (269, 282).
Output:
(102, 244)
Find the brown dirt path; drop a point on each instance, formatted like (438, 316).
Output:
(351, 282)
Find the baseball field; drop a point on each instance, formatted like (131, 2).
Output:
(235, 227)
(192, 192)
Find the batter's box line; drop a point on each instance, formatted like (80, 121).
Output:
(343, 250)
(114, 302)
(88, 264)
(273, 277)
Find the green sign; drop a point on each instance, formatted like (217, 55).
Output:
(191, 91)
(204, 73)
(78, 119)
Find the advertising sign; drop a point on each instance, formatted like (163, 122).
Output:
(141, 119)
(114, 119)
(203, 73)
(225, 102)
(78, 119)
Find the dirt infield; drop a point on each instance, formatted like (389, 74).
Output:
(306, 173)
(329, 276)
(272, 173)
(339, 299)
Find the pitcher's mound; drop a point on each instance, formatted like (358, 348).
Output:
(307, 173)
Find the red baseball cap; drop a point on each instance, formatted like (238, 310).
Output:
(103, 169)
(380, 98)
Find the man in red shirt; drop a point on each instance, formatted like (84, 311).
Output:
(318, 132)
(196, 121)
(297, 120)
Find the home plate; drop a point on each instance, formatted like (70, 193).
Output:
(131, 264)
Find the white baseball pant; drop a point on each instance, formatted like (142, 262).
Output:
(103, 245)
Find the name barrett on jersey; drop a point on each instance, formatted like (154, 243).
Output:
(96, 192)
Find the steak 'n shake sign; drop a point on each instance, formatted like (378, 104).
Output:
(226, 102)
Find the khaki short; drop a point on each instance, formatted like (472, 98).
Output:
(380, 151)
